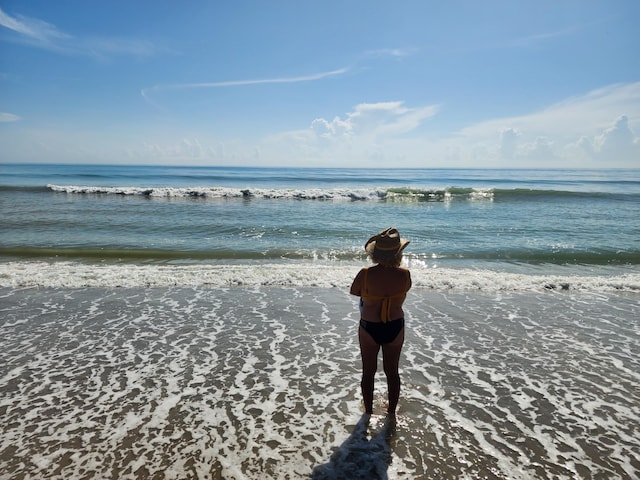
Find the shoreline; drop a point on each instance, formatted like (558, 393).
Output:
(70, 274)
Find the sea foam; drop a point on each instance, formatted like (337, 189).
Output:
(226, 192)
(68, 274)
(439, 194)
(264, 383)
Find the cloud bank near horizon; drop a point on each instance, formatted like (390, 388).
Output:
(598, 129)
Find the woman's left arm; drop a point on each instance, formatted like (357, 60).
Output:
(356, 286)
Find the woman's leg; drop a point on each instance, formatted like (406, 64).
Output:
(391, 360)
(369, 352)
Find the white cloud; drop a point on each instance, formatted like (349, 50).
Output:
(33, 31)
(617, 143)
(148, 92)
(201, 150)
(122, 46)
(508, 142)
(572, 117)
(8, 117)
(374, 119)
(391, 52)
(41, 34)
(580, 131)
(534, 39)
(542, 149)
(596, 129)
(187, 148)
(371, 134)
(331, 129)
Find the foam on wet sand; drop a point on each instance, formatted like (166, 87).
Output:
(255, 382)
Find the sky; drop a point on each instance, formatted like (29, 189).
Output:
(348, 83)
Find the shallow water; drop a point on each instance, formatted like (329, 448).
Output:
(255, 382)
(455, 218)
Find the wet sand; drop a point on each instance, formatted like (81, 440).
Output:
(236, 383)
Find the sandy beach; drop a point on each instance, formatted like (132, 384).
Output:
(263, 382)
(190, 190)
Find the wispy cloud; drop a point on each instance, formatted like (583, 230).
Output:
(121, 46)
(40, 34)
(391, 52)
(523, 42)
(8, 117)
(147, 92)
(35, 32)
(537, 38)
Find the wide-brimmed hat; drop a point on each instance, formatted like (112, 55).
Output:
(386, 244)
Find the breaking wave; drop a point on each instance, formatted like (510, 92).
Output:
(348, 194)
(69, 274)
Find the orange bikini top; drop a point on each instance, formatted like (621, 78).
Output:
(385, 308)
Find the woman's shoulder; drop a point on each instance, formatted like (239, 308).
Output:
(403, 274)
(403, 270)
(387, 273)
(363, 271)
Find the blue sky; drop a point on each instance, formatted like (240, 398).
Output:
(542, 83)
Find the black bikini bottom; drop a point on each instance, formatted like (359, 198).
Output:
(383, 332)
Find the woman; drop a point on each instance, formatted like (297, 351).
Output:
(382, 290)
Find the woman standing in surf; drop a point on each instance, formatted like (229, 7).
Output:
(382, 290)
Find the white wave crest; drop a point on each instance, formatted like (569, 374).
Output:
(82, 275)
(226, 192)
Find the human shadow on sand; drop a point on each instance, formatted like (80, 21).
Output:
(360, 457)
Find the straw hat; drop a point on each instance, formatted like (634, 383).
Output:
(386, 244)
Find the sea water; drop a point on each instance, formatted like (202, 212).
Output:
(579, 222)
(191, 322)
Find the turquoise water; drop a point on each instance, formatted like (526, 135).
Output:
(498, 219)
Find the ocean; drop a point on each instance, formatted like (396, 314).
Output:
(195, 322)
